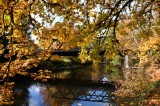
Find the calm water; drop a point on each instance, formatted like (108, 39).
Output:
(69, 87)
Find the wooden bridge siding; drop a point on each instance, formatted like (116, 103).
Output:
(72, 52)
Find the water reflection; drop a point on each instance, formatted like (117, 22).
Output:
(62, 95)
(67, 88)
(87, 103)
(41, 94)
(94, 94)
(35, 97)
(96, 72)
(83, 86)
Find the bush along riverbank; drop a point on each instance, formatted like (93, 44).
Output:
(138, 84)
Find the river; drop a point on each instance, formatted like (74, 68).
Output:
(81, 86)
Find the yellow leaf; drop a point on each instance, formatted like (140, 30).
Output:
(54, 1)
(18, 11)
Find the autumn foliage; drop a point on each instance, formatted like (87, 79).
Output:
(109, 25)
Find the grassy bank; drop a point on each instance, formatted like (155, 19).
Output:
(62, 62)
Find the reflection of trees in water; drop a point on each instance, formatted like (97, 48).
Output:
(100, 71)
(52, 94)
(21, 90)
(16, 93)
(56, 95)
(49, 100)
(132, 82)
(69, 90)
(94, 72)
(21, 86)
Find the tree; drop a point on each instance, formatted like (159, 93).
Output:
(16, 47)
(83, 22)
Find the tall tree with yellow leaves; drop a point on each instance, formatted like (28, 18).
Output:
(81, 23)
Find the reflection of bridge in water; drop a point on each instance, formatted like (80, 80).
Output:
(85, 90)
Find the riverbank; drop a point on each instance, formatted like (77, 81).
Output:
(139, 83)
(67, 62)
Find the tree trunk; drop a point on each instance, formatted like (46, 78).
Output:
(126, 62)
